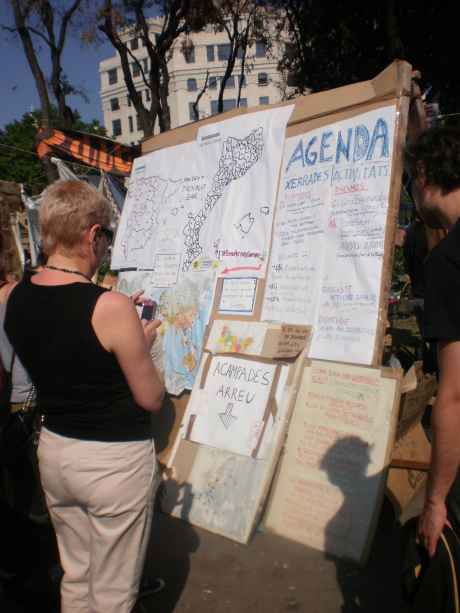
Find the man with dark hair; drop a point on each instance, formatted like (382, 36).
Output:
(434, 163)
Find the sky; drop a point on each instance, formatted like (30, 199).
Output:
(17, 86)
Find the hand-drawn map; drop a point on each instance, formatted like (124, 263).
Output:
(237, 158)
(208, 200)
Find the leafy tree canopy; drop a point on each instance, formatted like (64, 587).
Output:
(337, 42)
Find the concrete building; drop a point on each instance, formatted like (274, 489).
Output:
(263, 83)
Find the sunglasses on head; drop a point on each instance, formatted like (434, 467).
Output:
(108, 233)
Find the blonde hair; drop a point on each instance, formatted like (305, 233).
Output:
(68, 208)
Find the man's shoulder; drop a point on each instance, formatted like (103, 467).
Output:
(449, 247)
(444, 259)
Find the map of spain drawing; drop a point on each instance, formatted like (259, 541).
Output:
(205, 202)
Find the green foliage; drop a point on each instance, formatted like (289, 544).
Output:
(336, 42)
(18, 159)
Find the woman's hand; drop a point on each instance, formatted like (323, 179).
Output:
(150, 331)
(136, 297)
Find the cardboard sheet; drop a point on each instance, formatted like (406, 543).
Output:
(330, 482)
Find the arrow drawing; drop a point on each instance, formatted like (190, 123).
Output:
(227, 418)
(226, 271)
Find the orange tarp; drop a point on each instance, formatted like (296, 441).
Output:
(88, 149)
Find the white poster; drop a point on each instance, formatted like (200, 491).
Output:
(238, 296)
(329, 230)
(236, 394)
(210, 200)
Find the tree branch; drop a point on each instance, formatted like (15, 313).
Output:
(200, 95)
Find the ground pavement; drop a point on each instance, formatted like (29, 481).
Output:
(206, 573)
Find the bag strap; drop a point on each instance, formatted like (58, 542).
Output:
(29, 398)
(454, 574)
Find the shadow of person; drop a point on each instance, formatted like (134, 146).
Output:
(171, 543)
(374, 586)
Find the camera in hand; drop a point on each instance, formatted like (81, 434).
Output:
(149, 310)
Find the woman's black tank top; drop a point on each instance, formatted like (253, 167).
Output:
(82, 391)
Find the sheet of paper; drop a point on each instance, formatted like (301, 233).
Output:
(232, 336)
(166, 268)
(264, 339)
(238, 296)
(206, 201)
(237, 215)
(333, 468)
(237, 393)
(329, 230)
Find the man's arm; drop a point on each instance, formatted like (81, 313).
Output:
(445, 446)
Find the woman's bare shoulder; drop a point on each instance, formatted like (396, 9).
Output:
(113, 302)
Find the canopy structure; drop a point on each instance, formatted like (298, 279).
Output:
(88, 149)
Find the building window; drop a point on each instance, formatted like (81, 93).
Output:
(114, 104)
(244, 102)
(264, 100)
(242, 80)
(261, 49)
(147, 95)
(262, 79)
(134, 43)
(138, 124)
(191, 111)
(131, 124)
(229, 104)
(230, 82)
(157, 39)
(145, 64)
(116, 127)
(240, 53)
(223, 52)
(191, 85)
(136, 69)
(212, 83)
(210, 55)
(113, 76)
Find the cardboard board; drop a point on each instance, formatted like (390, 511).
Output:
(331, 478)
(415, 401)
(412, 450)
(404, 485)
(224, 492)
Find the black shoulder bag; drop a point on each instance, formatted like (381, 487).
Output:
(17, 429)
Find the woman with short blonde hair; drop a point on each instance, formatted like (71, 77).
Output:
(68, 208)
(88, 355)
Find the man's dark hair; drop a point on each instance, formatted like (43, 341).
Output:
(438, 149)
